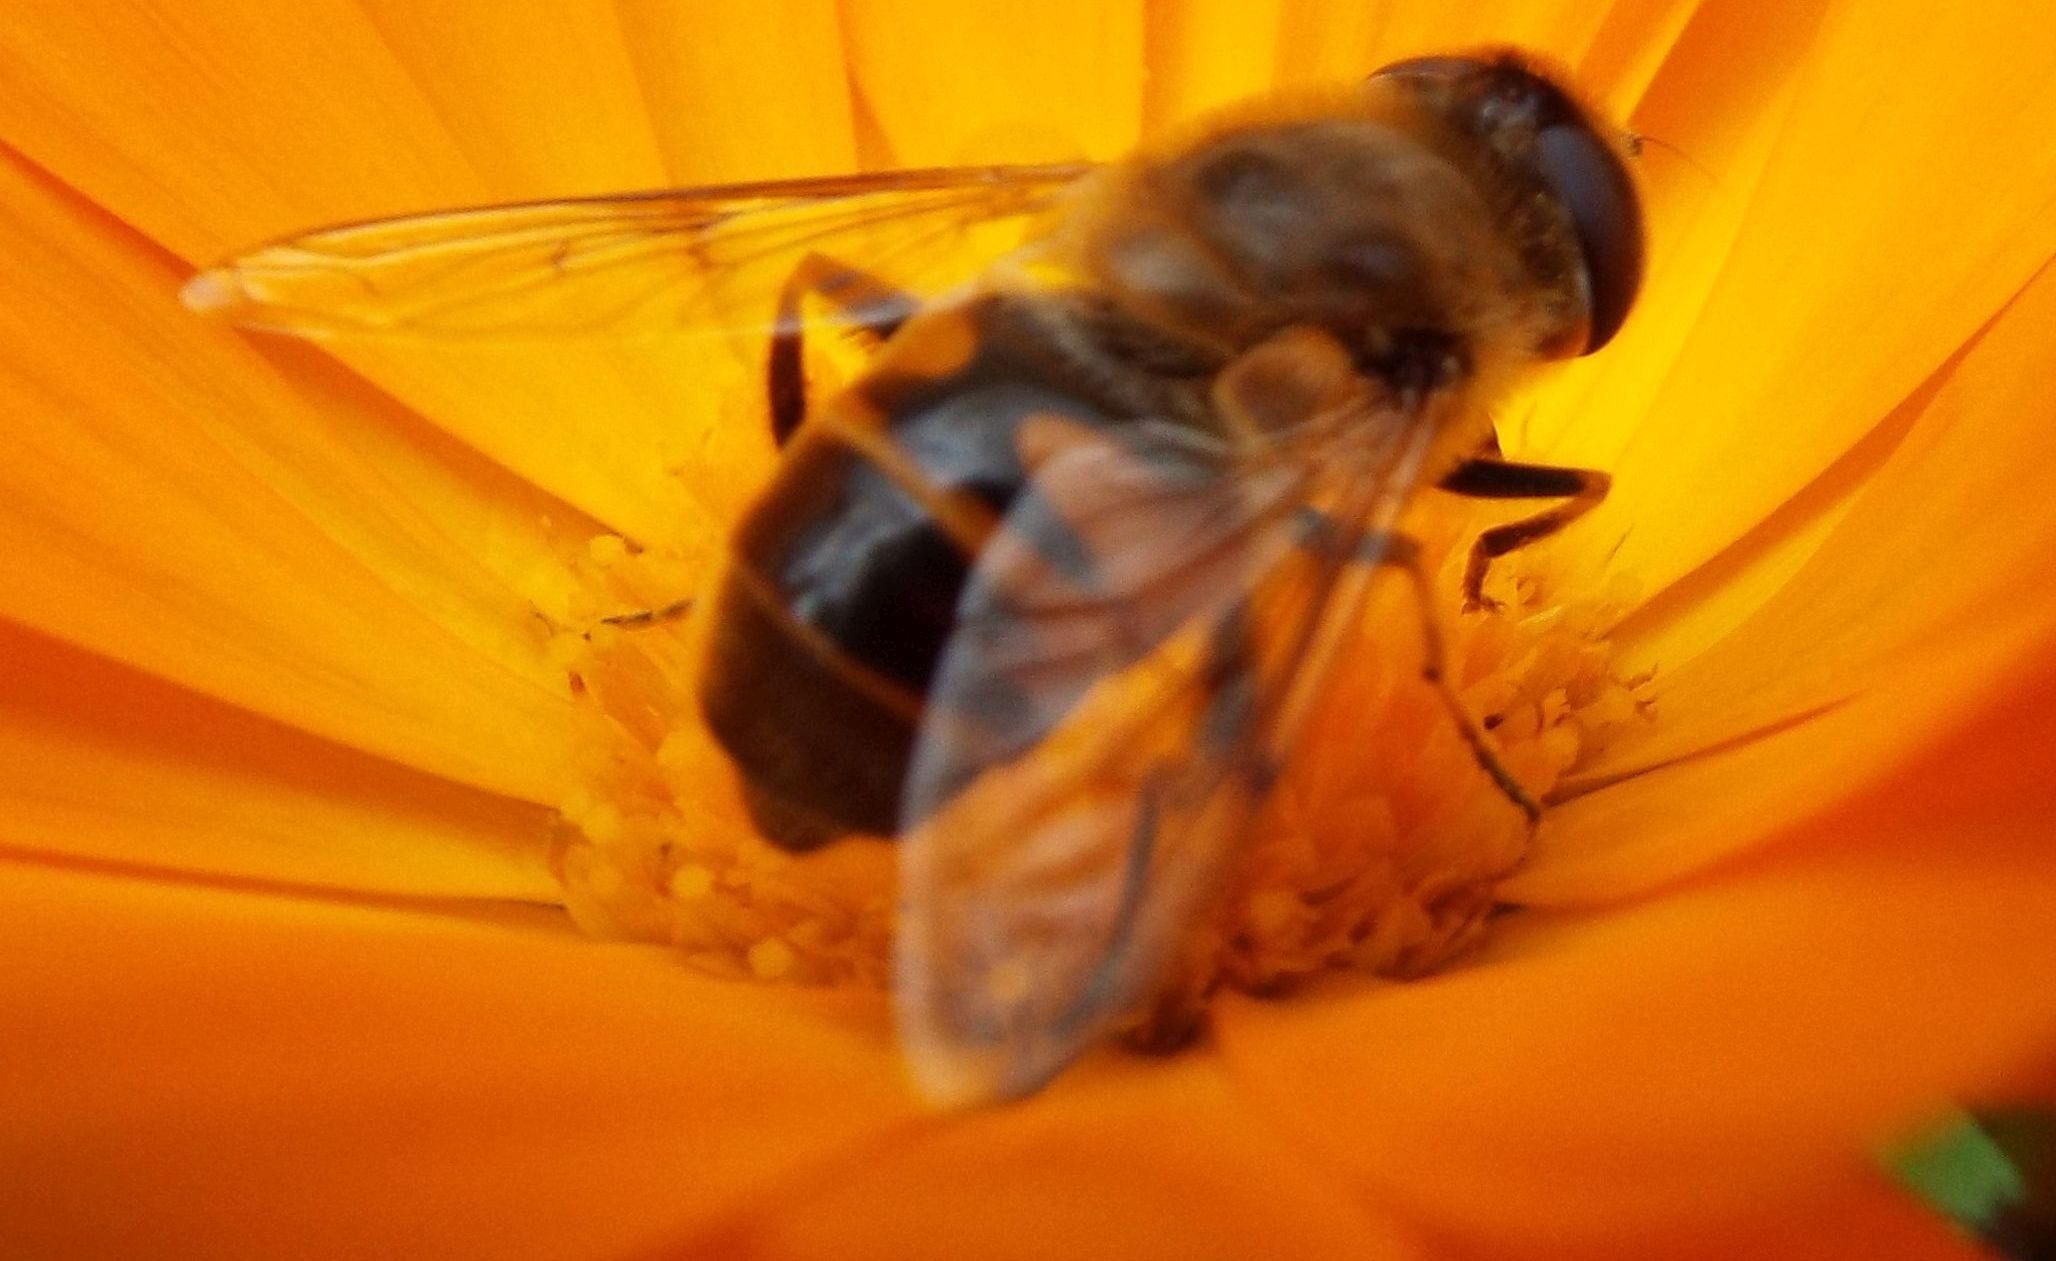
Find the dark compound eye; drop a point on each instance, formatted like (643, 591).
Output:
(1580, 169)
(1587, 176)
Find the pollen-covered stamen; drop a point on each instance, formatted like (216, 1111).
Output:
(658, 847)
(1378, 850)
(1381, 845)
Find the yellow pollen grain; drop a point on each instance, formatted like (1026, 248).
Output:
(771, 959)
(690, 882)
(607, 550)
(602, 825)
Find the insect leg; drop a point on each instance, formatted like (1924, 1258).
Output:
(1398, 551)
(1483, 478)
(650, 617)
(867, 302)
(1435, 670)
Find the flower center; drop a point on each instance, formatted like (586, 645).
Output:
(1378, 850)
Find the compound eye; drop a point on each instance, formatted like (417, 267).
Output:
(1591, 182)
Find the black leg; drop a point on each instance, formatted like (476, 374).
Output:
(1436, 670)
(650, 617)
(867, 302)
(1581, 489)
(1397, 551)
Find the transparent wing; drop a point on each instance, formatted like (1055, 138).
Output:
(1133, 650)
(641, 262)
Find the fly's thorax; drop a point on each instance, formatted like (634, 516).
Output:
(1369, 218)
(1302, 389)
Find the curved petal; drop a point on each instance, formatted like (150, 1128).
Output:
(1905, 199)
(1065, 72)
(546, 105)
(1627, 837)
(214, 137)
(1709, 1053)
(1910, 606)
(1202, 56)
(741, 89)
(1858, 1215)
(193, 1072)
(214, 126)
(1712, 120)
(1637, 38)
(1925, 536)
(1141, 1160)
(114, 767)
(1562, 29)
(173, 504)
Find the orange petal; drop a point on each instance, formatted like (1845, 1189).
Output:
(201, 1073)
(939, 82)
(1202, 56)
(1205, 55)
(1712, 1052)
(742, 89)
(132, 771)
(603, 99)
(202, 127)
(1908, 606)
(175, 505)
(539, 106)
(1867, 1220)
(1627, 837)
(1561, 29)
(1624, 53)
(1859, 1215)
(1140, 1160)
(1901, 205)
(205, 124)
(1923, 536)
(1713, 120)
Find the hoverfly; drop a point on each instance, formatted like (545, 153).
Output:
(1045, 591)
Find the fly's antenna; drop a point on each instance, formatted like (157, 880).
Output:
(1635, 142)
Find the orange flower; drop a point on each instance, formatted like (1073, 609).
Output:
(282, 728)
